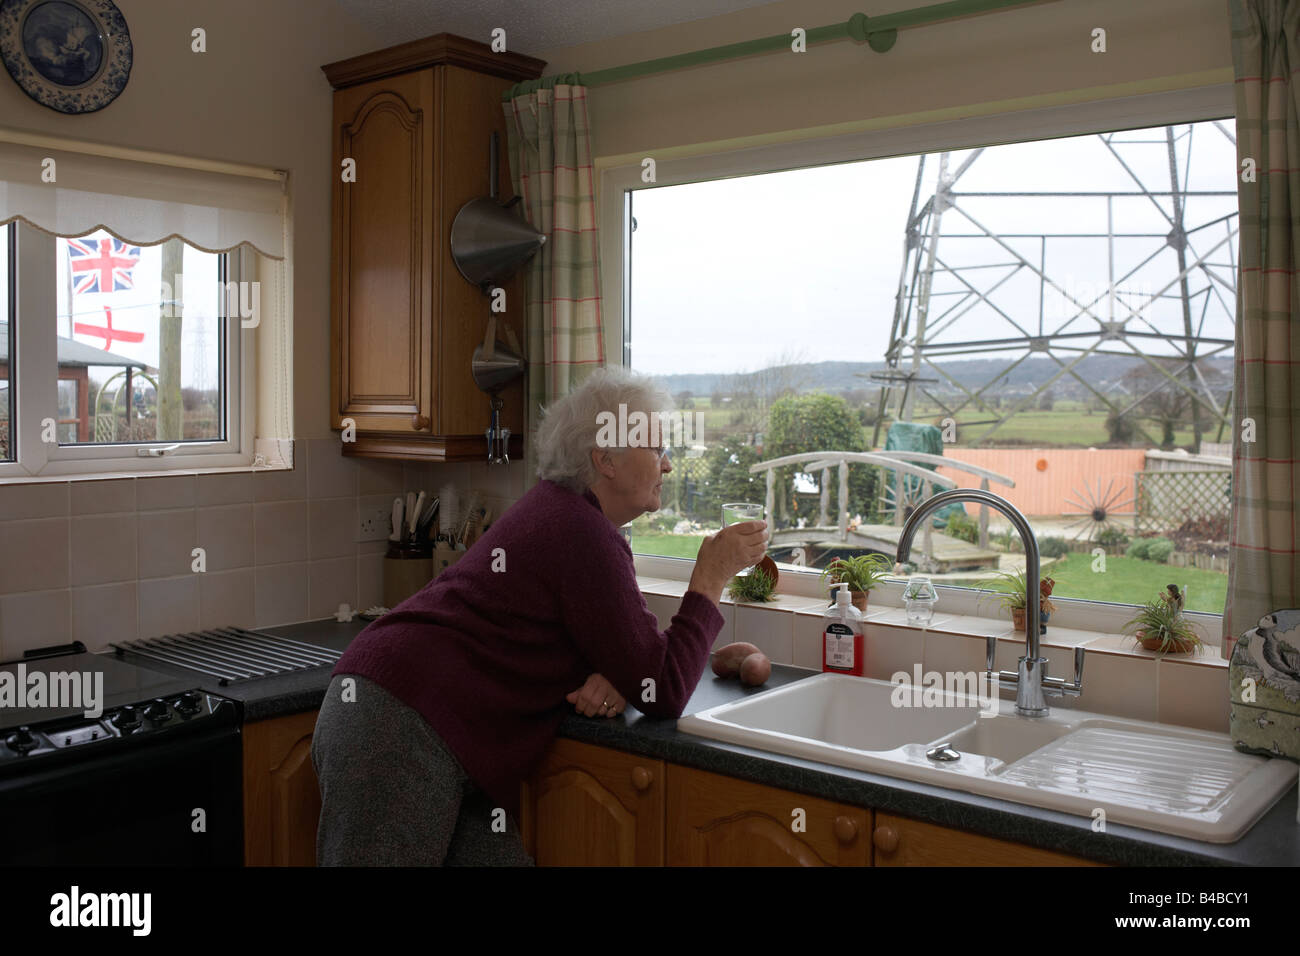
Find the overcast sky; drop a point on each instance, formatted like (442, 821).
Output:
(738, 274)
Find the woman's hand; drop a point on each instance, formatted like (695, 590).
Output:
(597, 698)
(723, 554)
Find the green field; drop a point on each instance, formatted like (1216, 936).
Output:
(667, 545)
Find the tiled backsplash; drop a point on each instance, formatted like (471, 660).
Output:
(1119, 678)
(100, 561)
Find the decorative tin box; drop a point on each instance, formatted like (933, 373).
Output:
(1264, 687)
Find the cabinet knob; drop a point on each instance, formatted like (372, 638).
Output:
(642, 778)
(419, 422)
(846, 829)
(885, 838)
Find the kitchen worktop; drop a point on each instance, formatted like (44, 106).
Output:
(1274, 841)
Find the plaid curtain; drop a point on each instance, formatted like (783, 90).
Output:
(1265, 574)
(550, 164)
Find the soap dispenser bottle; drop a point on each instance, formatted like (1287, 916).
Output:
(842, 645)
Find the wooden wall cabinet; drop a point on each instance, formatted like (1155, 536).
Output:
(413, 123)
(281, 795)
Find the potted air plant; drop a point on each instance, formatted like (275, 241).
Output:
(1159, 625)
(758, 585)
(1016, 598)
(861, 573)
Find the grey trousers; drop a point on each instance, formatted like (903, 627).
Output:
(393, 794)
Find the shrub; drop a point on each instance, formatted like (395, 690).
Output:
(963, 526)
(1159, 549)
(1151, 549)
(1112, 537)
(1053, 547)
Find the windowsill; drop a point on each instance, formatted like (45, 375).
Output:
(1095, 626)
(275, 455)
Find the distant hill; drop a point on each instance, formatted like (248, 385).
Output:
(1103, 372)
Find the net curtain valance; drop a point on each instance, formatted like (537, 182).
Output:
(141, 201)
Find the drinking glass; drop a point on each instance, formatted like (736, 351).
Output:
(738, 511)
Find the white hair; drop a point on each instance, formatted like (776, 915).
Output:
(569, 427)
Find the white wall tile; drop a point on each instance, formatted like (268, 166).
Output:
(169, 605)
(280, 532)
(41, 500)
(167, 541)
(1193, 695)
(330, 583)
(329, 473)
(104, 613)
(280, 594)
(34, 619)
(226, 598)
(165, 491)
(225, 533)
(771, 630)
(34, 556)
(104, 549)
(103, 497)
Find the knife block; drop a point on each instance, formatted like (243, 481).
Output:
(406, 571)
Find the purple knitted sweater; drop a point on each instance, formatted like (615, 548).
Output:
(487, 656)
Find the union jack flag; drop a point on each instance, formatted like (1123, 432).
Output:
(101, 265)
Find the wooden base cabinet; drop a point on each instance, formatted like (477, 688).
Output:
(281, 795)
(899, 841)
(590, 806)
(720, 821)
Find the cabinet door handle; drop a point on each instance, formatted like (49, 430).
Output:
(419, 422)
(885, 838)
(846, 829)
(642, 778)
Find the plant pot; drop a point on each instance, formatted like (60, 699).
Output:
(1177, 646)
(859, 599)
(1018, 619)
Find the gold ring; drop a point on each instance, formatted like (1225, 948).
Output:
(606, 704)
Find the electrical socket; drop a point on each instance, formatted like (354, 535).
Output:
(376, 525)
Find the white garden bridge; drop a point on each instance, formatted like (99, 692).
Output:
(946, 552)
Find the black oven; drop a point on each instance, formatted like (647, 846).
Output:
(148, 771)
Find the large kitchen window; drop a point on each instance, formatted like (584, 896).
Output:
(1050, 318)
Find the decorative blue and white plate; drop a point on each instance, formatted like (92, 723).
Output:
(73, 56)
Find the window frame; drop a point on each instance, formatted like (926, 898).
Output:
(619, 176)
(33, 283)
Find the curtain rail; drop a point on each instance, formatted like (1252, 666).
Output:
(879, 33)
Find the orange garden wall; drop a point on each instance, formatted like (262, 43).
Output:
(1066, 475)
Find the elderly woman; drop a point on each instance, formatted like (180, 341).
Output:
(439, 709)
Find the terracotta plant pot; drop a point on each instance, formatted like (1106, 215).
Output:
(859, 599)
(1177, 646)
(1018, 619)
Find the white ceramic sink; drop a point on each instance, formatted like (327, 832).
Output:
(1160, 777)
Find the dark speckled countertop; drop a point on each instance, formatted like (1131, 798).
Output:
(1274, 841)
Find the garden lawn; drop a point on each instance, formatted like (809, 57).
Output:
(1132, 581)
(667, 545)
